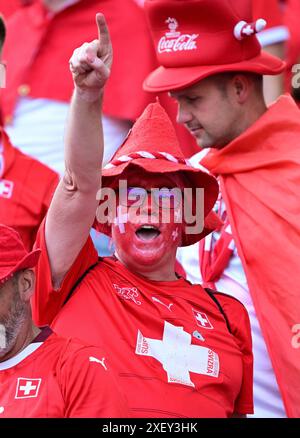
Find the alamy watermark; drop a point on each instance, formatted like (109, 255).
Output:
(296, 76)
(2, 75)
(2, 337)
(169, 205)
(296, 338)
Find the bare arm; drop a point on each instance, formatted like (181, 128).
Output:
(74, 204)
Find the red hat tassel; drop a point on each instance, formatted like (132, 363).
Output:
(243, 29)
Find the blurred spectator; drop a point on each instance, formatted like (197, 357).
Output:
(26, 185)
(40, 41)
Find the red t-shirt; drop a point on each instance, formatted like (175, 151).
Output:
(55, 377)
(169, 342)
(26, 189)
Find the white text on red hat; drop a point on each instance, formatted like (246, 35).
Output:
(174, 41)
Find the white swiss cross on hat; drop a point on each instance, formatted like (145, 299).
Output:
(27, 388)
(202, 319)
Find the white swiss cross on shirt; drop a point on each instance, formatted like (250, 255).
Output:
(27, 388)
(202, 319)
(178, 356)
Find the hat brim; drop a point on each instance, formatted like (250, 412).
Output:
(29, 261)
(197, 178)
(176, 78)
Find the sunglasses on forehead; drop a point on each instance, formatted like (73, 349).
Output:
(163, 197)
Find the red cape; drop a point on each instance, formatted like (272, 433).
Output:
(260, 180)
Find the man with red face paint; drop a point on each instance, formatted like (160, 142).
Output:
(178, 350)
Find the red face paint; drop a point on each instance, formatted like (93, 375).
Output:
(145, 243)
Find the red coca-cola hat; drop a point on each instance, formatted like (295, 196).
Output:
(13, 255)
(152, 147)
(197, 38)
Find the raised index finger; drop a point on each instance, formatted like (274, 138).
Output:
(103, 33)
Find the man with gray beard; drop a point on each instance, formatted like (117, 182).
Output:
(42, 374)
(16, 317)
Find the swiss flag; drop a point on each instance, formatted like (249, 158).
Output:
(27, 388)
(202, 319)
(6, 188)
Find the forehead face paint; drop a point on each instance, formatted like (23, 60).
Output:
(120, 219)
(178, 215)
(175, 234)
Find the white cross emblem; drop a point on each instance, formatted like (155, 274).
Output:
(27, 388)
(121, 219)
(178, 356)
(6, 188)
(248, 30)
(202, 319)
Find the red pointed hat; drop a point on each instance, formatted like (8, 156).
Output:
(197, 38)
(152, 146)
(13, 255)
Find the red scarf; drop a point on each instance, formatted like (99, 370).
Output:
(214, 256)
(260, 183)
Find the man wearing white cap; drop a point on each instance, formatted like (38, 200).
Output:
(212, 64)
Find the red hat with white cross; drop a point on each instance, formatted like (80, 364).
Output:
(195, 39)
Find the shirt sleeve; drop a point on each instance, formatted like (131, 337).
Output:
(46, 301)
(240, 328)
(89, 387)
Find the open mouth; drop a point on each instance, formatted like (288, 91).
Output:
(147, 232)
